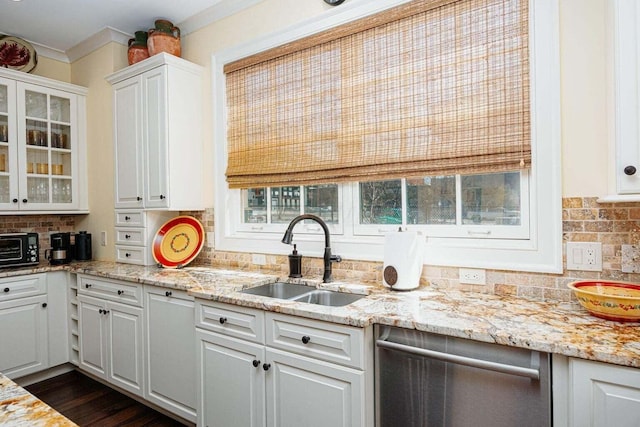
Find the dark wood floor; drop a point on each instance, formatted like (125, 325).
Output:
(90, 403)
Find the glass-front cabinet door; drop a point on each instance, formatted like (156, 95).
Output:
(8, 145)
(47, 156)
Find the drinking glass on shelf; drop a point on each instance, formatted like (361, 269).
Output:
(4, 133)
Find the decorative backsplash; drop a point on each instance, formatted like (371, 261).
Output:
(44, 225)
(584, 220)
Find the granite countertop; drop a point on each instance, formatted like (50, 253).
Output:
(556, 327)
(20, 408)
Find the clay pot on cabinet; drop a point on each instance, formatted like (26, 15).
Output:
(165, 37)
(138, 49)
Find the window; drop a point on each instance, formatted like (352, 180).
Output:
(505, 220)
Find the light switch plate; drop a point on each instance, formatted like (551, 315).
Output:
(584, 256)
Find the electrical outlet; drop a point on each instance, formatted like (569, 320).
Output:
(103, 238)
(584, 256)
(210, 239)
(258, 259)
(472, 276)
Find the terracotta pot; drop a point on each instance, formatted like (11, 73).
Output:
(138, 50)
(164, 38)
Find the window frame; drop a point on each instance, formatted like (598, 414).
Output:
(541, 252)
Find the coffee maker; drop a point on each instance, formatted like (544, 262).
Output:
(60, 252)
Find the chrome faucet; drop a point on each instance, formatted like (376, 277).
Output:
(328, 258)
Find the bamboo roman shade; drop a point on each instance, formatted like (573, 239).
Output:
(432, 87)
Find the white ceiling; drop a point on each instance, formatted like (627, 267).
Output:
(63, 24)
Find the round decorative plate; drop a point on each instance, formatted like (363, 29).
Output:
(178, 242)
(17, 54)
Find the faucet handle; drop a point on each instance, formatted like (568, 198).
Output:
(336, 258)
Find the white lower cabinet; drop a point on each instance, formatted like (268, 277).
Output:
(170, 352)
(24, 333)
(268, 369)
(111, 333)
(603, 395)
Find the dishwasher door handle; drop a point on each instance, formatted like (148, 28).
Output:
(462, 360)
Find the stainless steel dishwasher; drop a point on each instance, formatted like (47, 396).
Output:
(425, 379)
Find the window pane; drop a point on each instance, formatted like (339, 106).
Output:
(322, 200)
(381, 202)
(491, 199)
(254, 205)
(285, 204)
(431, 200)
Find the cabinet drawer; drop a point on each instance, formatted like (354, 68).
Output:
(131, 236)
(124, 292)
(320, 340)
(132, 255)
(130, 218)
(22, 286)
(239, 322)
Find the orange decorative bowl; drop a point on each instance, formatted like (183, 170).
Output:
(619, 301)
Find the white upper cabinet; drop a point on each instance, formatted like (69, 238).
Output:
(626, 97)
(42, 144)
(158, 134)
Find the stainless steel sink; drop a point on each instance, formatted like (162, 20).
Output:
(280, 290)
(303, 293)
(330, 298)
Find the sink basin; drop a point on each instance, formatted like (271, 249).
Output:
(303, 293)
(330, 298)
(280, 290)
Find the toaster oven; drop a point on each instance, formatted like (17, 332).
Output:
(19, 249)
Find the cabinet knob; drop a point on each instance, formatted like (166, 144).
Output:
(168, 293)
(223, 320)
(256, 363)
(120, 292)
(15, 200)
(127, 254)
(127, 236)
(87, 285)
(7, 289)
(105, 311)
(101, 311)
(138, 198)
(306, 339)
(162, 197)
(127, 218)
(44, 305)
(24, 200)
(630, 170)
(266, 366)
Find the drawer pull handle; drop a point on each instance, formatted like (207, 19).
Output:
(138, 198)
(266, 366)
(105, 311)
(24, 200)
(87, 285)
(44, 305)
(101, 311)
(306, 339)
(255, 363)
(127, 236)
(162, 197)
(127, 218)
(7, 289)
(15, 200)
(223, 320)
(168, 293)
(127, 254)
(120, 292)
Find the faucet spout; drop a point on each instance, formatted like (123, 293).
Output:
(328, 257)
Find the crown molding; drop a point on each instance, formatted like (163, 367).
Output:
(220, 10)
(96, 41)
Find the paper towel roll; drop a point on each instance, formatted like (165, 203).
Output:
(403, 252)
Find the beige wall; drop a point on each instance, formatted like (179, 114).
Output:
(583, 96)
(53, 69)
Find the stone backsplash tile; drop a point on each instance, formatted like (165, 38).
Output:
(44, 225)
(615, 225)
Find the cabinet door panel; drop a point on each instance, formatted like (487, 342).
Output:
(171, 354)
(128, 131)
(92, 336)
(604, 395)
(155, 95)
(302, 391)
(23, 336)
(125, 346)
(232, 388)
